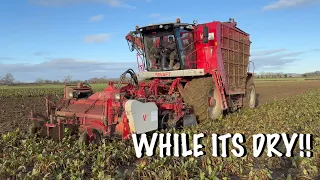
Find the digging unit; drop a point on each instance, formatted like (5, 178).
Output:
(188, 73)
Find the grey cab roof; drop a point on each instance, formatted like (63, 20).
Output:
(174, 23)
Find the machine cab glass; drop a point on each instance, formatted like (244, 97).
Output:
(172, 50)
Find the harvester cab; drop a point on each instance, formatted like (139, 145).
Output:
(165, 47)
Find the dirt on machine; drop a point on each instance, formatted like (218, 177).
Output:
(187, 73)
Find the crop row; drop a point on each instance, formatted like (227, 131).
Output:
(32, 158)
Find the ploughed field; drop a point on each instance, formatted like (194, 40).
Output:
(297, 112)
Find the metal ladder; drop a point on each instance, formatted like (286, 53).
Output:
(219, 83)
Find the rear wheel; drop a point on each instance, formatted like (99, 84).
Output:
(202, 95)
(250, 100)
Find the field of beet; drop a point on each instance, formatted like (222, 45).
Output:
(284, 107)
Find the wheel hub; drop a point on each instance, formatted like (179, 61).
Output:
(213, 109)
(167, 122)
(212, 102)
(171, 123)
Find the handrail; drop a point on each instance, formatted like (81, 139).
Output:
(140, 66)
(253, 67)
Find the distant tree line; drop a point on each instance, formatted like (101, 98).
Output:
(286, 75)
(68, 80)
(311, 74)
(269, 75)
(8, 79)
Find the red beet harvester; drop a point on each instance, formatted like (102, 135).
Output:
(210, 75)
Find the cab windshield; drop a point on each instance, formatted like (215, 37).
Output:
(167, 50)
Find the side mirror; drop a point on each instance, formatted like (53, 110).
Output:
(205, 38)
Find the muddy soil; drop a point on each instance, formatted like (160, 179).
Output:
(14, 111)
(272, 91)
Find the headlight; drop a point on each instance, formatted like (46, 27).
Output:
(117, 96)
(71, 94)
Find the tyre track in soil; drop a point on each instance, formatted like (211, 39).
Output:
(14, 111)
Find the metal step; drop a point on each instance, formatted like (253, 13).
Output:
(218, 79)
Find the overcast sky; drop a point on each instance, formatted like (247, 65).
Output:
(85, 38)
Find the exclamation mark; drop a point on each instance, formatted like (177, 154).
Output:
(305, 143)
(301, 144)
(309, 145)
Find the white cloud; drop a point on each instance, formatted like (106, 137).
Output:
(112, 3)
(280, 4)
(267, 52)
(97, 38)
(56, 69)
(273, 59)
(97, 18)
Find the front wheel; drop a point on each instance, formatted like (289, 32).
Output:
(202, 95)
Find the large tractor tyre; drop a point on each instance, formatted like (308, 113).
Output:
(250, 99)
(197, 93)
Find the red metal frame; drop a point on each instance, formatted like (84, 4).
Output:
(83, 113)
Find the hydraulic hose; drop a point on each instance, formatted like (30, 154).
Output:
(123, 77)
